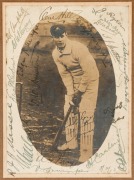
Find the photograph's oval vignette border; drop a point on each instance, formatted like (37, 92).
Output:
(40, 96)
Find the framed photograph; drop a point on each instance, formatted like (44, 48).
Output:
(67, 76)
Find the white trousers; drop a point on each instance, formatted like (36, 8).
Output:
(87, 108)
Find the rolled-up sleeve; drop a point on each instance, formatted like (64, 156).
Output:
(65, 75)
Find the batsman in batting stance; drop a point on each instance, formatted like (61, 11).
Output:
(80, 76)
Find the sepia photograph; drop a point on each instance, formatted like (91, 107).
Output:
(65, 88)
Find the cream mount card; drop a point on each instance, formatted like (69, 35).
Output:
(91, 42)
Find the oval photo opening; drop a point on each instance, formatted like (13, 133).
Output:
(65, 88)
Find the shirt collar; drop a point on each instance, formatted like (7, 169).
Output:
(67, 49)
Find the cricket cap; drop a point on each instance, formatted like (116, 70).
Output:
(57, 30)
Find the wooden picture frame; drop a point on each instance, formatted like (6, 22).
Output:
(25, 158)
